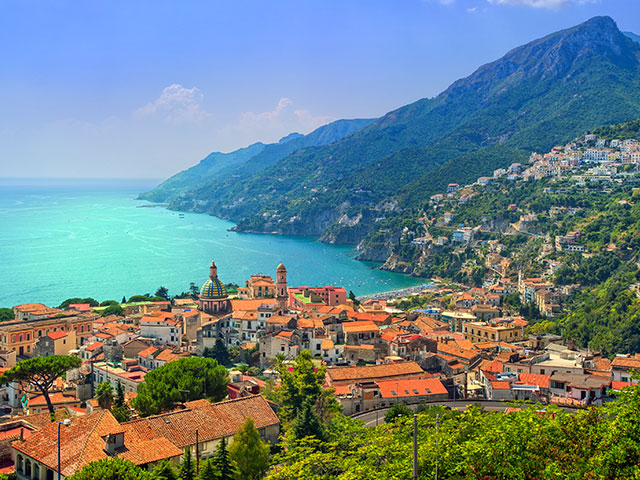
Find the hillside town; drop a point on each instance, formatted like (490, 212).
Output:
(466, 345)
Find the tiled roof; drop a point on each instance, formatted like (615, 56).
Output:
(251, 304)
(82, 442)
(541, 381)
(342, 374)
(213, 421)
(625, 363)
(56, 398)
(167, 355)
(94, 346)
(360, 327)
(499, 385)
(148, 352)
(411, 388)
(57, 335)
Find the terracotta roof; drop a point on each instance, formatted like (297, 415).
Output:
(540, 380)
(360, 327)
(455, 351)
(94, 346)
(624, 363)
(56, 398)
(213, 421)
(499, 385)
(327, 344)
(57, 335)
(245, 315)
(279, 319)
(411, 388)
(148, 352)
(617, 385)
(167, 355)
(251, 304)
(343, 374)
(83, 442)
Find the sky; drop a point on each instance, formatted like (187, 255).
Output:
(146, 88)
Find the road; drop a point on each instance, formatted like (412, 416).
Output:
(371, 419)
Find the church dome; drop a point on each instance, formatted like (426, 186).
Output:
(213, 289)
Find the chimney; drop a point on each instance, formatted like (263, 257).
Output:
(113, 441)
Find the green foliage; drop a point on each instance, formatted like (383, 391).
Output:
(91, 301)
(304, 383)
(619, 131)
(121, 413)
(162, 292)
(119, 400)
(248, 452)
(207, 470)
(107, 303)
(164, 470)
(186, 379)
(396, 412)
(187, 468)
(104, 395)
(537, 442)
(111, 469)
(307, 423)
(114, 309)
(41, 372)
(6, 314)
(222, 462)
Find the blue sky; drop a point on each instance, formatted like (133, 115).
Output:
(143, 89)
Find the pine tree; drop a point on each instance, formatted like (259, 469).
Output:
(248, 452)
(222, 463)
(187, 469)
(164, 471)
(307, 423)
(119, 400)
(208, 471)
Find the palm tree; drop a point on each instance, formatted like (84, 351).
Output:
(104, 395)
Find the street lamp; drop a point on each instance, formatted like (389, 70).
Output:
(66, 422)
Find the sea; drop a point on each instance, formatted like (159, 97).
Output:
(86, 238)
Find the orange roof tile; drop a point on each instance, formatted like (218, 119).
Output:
(540, 380)
(411, 388)
(343, 374)
(360, 327)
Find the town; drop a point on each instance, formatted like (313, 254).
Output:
(466, 345)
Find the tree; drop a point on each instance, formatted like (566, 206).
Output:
(164, 471)
(248, 452)
(398, 410)
(307, 423)
(304, 383)
(187, 468)
(41, 372)
(354, 299)
(222, 462)
(163, 292)
(113, 310)
(208, 471)
(6, 314)
(119, 401)
(91, 301)
(194, 290)
(186, 379)
(121, 413)
(111, 469)
(108, 303)
(219, 353)
(104, 395)
(124, 299)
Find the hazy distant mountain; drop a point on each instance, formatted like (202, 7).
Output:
(633, 36)
(218, 167)
(538, 95)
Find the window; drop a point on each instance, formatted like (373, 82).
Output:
(317, 346)
(393, 392)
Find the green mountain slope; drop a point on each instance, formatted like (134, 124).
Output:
(540, 94)
(217, 168)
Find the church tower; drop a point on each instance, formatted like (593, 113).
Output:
(213, 297)
(282, 294)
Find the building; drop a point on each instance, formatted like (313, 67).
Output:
(211, 421)
(162, 327)
(115, 374)
(304, 297)
(282, 293)
(86, 439)
(623, 366)
(496, 330)
(213, 297)
(259, 286)
(55, 343)
(337, 376)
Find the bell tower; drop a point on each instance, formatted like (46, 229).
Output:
(282, 294)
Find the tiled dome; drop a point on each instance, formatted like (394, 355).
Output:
(213, 289)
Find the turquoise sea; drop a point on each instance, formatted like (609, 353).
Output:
(94, 239)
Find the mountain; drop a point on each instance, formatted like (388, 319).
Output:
(218, 167)
(633, 36)
(362, 188)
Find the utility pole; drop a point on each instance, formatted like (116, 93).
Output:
(197, 454)
(415, 446)
(437, 450)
